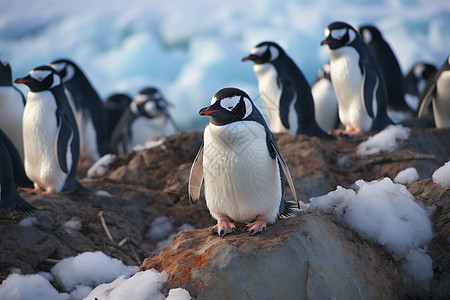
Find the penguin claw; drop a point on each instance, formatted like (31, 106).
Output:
(259, 225)
(224, 227)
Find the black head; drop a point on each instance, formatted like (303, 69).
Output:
(370, 33)
(265, 52)
(41, 78)
(118, 101)
(227, 106)
(66, 68)
(339, 34)
(5, 73)
(150, 103)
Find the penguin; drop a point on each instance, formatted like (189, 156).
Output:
(115, 106)
(50, 133)
(325, 100)
(241, 165)
(357, 82)
(147, 116)
(9, 197)
(284, 91)
(392, 73)
(12, 103)
(418, 77)
(91, 114)
(20, 177)
(439, 94)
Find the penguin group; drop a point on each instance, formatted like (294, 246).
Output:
(63, 123)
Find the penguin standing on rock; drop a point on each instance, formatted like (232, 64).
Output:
(90, 115)
(357, 81)
(50, 133)
(9, 197)
(284, 91)
(439, 94)
(241, 165)
(147, 116)
(12, 103)
(389, 66)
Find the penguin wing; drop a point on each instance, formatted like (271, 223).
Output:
(369, 86)
(64, 136)
(287, 174)
(430, 94)
(196, 177)
(287, 95)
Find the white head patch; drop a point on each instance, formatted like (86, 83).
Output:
(418, 70)
(40, 75)
(367, 35)
(56, 80)
(338, 34)
(150, 108)
(258, 50)
(230, 103)
(3, 61)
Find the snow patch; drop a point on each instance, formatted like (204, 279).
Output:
(100, 167)
(407, 176)
(442, 175)
(384, 141)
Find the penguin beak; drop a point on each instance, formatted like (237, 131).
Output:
(206, 111)
(249, 57)
(325, 42)
(24, 80)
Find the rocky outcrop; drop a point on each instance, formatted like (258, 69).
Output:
(306, 257)
(152, 183)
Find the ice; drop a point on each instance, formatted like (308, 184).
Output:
(442, 175)
(407, 176)
(384, 141)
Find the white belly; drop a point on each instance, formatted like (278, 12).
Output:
(39, 131)
(241, 179)
(346, 78)
(11, 110)
(441, 105)
(144, 128)
(270, 94)
(325, 104)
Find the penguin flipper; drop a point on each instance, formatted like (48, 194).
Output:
(287, 174)
(369, 86)
(65, 135)
(287, 94)
(196, 177)
(427, 99)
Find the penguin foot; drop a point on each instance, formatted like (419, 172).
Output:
(259, 225)
(224, 226)
(36, 190)
(349, 132)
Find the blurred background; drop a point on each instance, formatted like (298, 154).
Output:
(191, 49)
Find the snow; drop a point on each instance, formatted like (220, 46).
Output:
(384, 141)
(28, 221)
(150, 143)
(89, 269)
(442, 175)
(86, 276)
(407, 176)
(191, 49)
(385, 213)
(100, 167)
(160, 228)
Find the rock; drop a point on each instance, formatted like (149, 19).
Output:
(143, 186)
(306, 257)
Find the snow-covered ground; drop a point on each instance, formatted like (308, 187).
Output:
(191, 49)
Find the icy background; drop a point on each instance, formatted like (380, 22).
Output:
(191, 49)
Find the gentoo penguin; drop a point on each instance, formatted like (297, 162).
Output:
(9, 197)
(91, 114)
(392, 73)
(357, 81)
(147, 116)
(50, 133)
(12, 103)
(439, 93)
(241, 166)
(325, 100)
(20, 177)
(419, 76)
(115, 106)
(284, 91)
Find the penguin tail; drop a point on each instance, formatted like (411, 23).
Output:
(287, 209)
